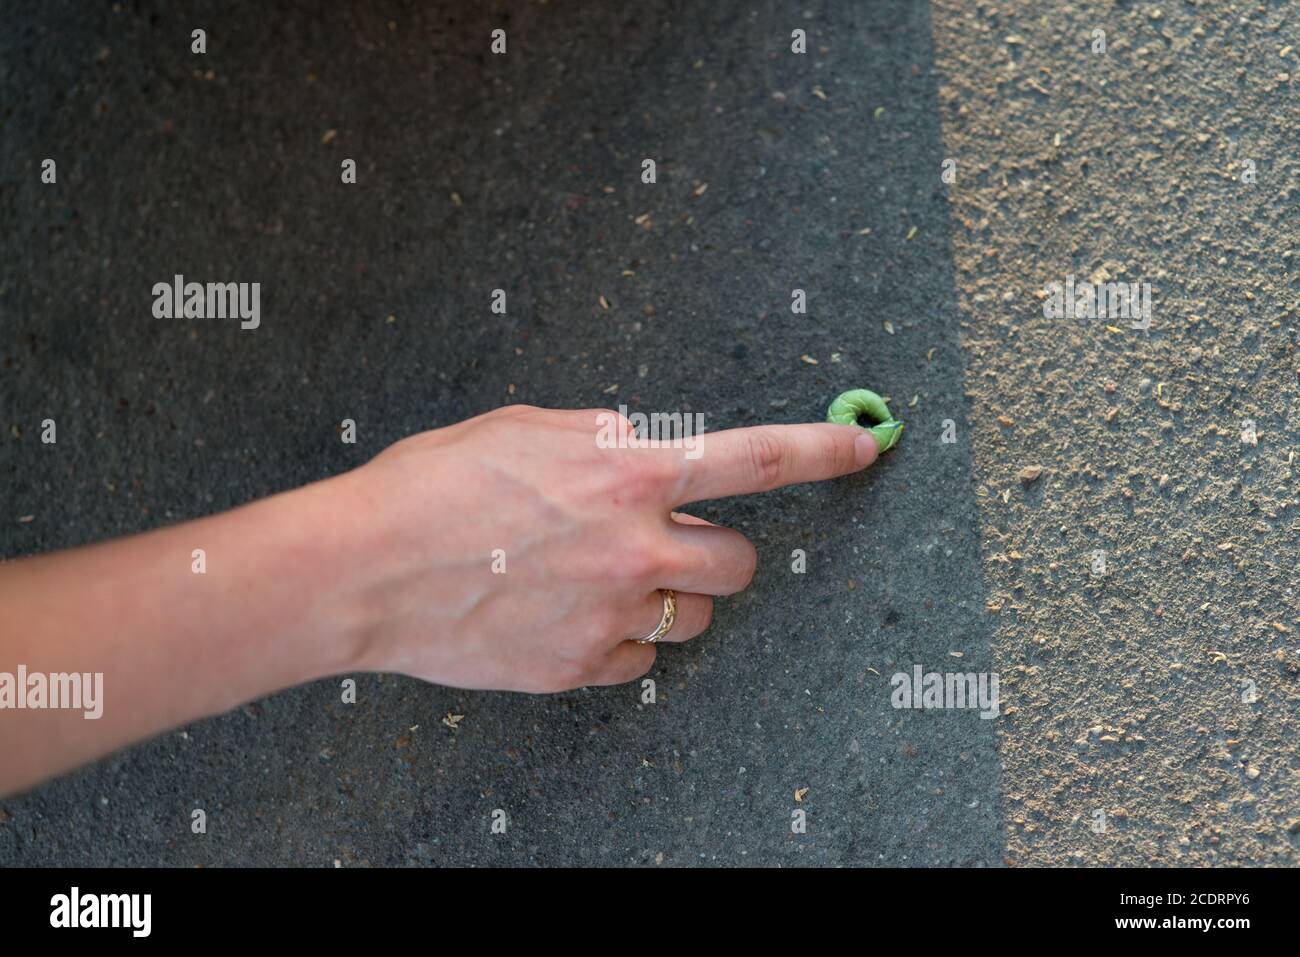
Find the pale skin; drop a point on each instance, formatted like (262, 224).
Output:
(390, 568)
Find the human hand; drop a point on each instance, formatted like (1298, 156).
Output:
(512, 552)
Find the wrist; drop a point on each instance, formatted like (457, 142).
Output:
(354, 558)
(322, 554)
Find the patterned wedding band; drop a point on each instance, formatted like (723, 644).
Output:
(666, 622)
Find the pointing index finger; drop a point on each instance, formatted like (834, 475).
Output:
(764, 457)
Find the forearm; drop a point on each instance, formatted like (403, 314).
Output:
(401, 565)
(270, 607)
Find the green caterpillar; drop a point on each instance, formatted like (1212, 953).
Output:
(859, 403)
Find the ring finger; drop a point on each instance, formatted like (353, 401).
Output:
(694, 613)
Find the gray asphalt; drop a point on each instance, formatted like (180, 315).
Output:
(521, 172)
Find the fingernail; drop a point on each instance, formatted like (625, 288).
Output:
(865, 449)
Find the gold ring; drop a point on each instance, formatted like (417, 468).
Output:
(666, 622)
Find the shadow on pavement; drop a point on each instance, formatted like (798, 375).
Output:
(776, 172)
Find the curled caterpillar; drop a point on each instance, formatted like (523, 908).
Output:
(857, 404)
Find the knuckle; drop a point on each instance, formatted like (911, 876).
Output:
(606, 422)
(672, 565)
(766, 455)
(606, 625)
(613, 415)
(512, 411)
(646, 561)
(642, 473)
(630, 562)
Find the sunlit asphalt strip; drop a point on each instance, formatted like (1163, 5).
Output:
(1136, 487)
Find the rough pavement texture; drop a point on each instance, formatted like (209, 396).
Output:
(521, 172)
(1127, 692)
